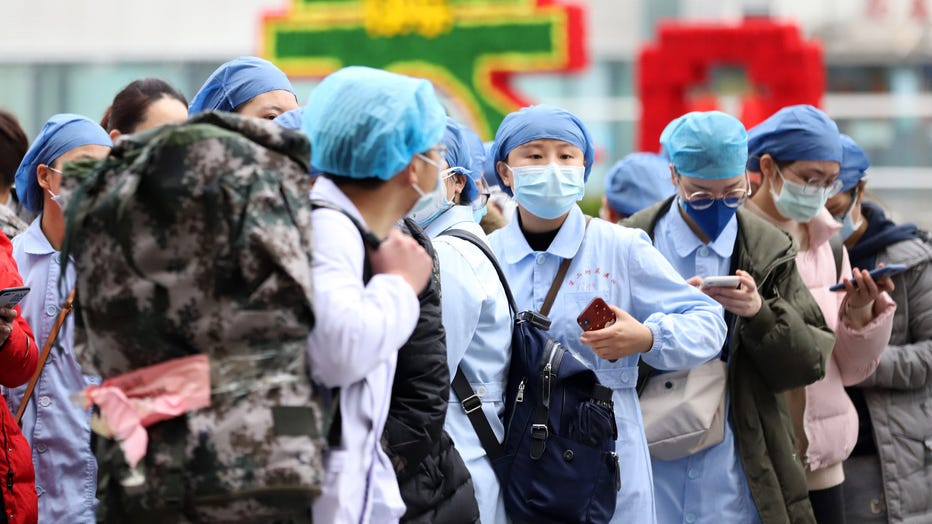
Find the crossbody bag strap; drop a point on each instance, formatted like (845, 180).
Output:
(66, 308)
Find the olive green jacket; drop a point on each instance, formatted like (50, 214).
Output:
(785, 346)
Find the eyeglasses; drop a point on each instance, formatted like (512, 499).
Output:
(484, 192)
(812, 185)
(703, 199)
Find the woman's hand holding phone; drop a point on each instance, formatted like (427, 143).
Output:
(743, 300)
(861, 291)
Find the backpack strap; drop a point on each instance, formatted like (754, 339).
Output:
(838, 245)
(472, 405)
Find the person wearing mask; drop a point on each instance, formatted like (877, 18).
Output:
(476, 316)
(13, 147)
(142, 105)
(58, 431)
(367, 274)
(543, 154)
(888, 477)
(635, 182)
(434, 482)
(777, 339)
(246, 85)
(798, 152)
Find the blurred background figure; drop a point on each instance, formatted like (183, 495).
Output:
(57, 429)
(634, 183)
(888, 477)
(246, 85)
(13, 147)
(142, 105)
(798, 152)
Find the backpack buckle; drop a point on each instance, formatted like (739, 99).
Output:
(540, 432)
(471, 404)
(535, 319)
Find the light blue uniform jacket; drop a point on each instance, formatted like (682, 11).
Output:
(621, 266)
(58, 431)
(478, 326)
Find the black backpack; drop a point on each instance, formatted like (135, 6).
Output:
(558, 461)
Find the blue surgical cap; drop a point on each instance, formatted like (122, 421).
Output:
(794, 133)
(708, 144)
(638, 181)
(237, 82)
(459, 155)
(854, 163)
(477, 154)
(534, 123)
(366, 122)
(290, 119)
(62, 133)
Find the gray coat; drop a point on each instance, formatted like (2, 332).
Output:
(899, 392)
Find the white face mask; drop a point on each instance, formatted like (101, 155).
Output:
(433, 204)
(55, 198)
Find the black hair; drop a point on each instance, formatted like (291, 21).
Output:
(130, 104)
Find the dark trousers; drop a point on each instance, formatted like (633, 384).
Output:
(864, 498)
(829, 505)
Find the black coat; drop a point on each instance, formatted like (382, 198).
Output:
(435, 484)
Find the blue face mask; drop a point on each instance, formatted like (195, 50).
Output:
(477, 214)
(711, 220)
(848, 227)
(548, 191)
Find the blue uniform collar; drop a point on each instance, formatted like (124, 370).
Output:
(34, 240)
(565, 245)
(449, 218)
(686, 242)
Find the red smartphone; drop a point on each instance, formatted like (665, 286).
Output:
(596, 315)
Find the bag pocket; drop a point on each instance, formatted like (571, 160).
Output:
(561, 485)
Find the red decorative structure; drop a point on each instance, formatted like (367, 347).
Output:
(784, 68)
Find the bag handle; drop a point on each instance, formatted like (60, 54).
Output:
(66, 308)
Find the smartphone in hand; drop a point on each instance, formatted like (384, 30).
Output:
(597, 315)
(11, 296)
(731, 281)
(876, 273)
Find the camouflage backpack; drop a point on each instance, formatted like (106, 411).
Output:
(195, 239)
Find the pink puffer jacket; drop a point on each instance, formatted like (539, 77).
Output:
(830, 420)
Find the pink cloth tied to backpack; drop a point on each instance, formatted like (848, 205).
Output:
(130, 402)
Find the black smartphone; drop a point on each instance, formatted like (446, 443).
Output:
(880, 272)
(11, 296)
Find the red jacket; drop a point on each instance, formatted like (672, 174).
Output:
(18, 359)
